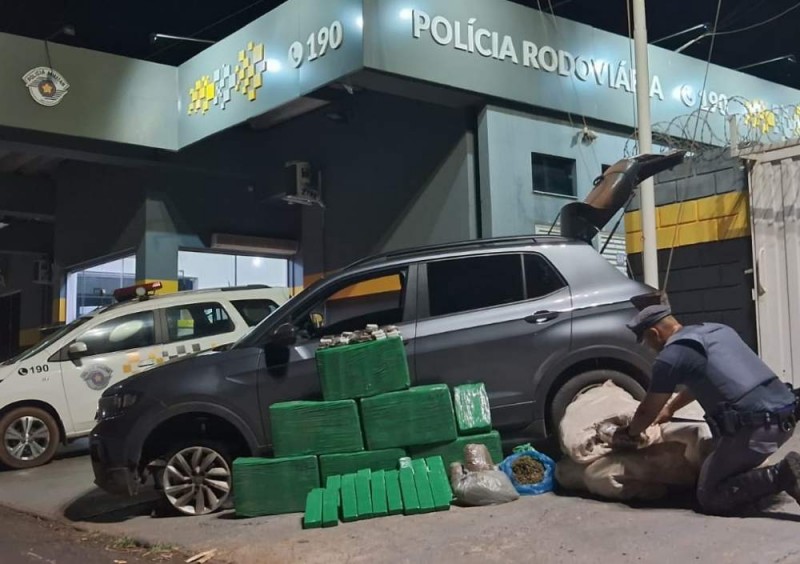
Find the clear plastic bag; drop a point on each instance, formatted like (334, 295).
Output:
(484, 487)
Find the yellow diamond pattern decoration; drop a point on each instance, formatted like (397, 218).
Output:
(759, 117)
(200, 96)
(249, 78)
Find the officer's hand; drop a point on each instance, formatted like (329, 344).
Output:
(663, 416)
(622, 440)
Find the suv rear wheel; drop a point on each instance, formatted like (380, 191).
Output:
(196, 479)
(580, 383)
(29, 438)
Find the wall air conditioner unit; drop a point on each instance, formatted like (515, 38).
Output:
(41, 272)
(301, 187)
(260, 245)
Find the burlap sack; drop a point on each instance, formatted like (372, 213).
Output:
(672, 460)
(578, 429)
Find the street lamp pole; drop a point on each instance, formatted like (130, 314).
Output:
(645, 135)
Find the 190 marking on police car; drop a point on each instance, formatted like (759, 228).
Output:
(37, 369)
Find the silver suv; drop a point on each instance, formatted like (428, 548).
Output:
(538, 319)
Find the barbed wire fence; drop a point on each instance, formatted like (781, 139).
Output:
(705, 132)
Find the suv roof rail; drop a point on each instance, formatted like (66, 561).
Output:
(452, 246)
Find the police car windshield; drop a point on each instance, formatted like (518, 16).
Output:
(48, 341)
(256, 336)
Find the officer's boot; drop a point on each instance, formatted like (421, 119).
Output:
(753, 485)
(788, 475)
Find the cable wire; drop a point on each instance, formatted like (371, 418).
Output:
(694, 140)
(755, 25)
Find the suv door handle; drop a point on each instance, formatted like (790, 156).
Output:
(541, 316)
(146, 363)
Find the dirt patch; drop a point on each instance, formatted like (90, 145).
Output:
(527, 470)
(27, 539)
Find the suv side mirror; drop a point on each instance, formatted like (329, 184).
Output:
(77, 349)
(285, 335)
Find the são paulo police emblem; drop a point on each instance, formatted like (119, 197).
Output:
(46, 85)
(97, 377)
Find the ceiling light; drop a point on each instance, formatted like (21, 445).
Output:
(790, 58)
(703, 26)
(156, 36)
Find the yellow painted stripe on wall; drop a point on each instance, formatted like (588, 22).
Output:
(377, 286)
(370, 287)
(59, 310)
(715, 218)
(29, 337)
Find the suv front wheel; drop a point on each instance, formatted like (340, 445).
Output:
(196, 479)
(579, 383)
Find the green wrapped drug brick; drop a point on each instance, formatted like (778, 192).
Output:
(270, 486)
(440, 483)
(315, 427)
(363, 369)
(313, 515)
(380, 506)
(348, 497)
(473, 415)
(350, 462)
(422, 482)
(417, 416)
(364, 494)
(453, 451)
(394, 496)
(330, 507)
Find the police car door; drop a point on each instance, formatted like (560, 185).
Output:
(195, 327)
(104, 354)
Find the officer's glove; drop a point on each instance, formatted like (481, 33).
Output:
(622, 440)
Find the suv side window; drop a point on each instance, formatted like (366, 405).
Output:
(196, 321)
(541, 278)
(254, 311)
(465, 284)
(127, 332)
(379, 299)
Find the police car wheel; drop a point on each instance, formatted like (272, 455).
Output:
(585, 381)
(197, 478)
(29, 438)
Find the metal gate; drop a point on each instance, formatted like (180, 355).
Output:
(775, 225)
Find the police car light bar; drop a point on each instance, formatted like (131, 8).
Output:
(138, 291)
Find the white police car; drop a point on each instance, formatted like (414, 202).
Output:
(49, 394)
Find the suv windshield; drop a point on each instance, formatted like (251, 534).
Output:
(48, 341)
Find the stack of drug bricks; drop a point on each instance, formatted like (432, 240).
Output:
(375, 446)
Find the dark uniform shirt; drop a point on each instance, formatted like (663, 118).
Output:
(685, 363)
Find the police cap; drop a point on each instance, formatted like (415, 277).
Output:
(647, 318)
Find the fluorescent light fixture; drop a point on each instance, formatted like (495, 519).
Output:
(406, 13)
(693, 41)
(360, 22)
(274, 65)
(703, 26)
(790, 58)
(156, 36)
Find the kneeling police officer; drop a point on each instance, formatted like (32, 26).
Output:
(750, 411)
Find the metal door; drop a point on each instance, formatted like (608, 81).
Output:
(774, 189)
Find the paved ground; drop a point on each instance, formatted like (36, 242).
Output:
(25, 539)
(549, 528)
